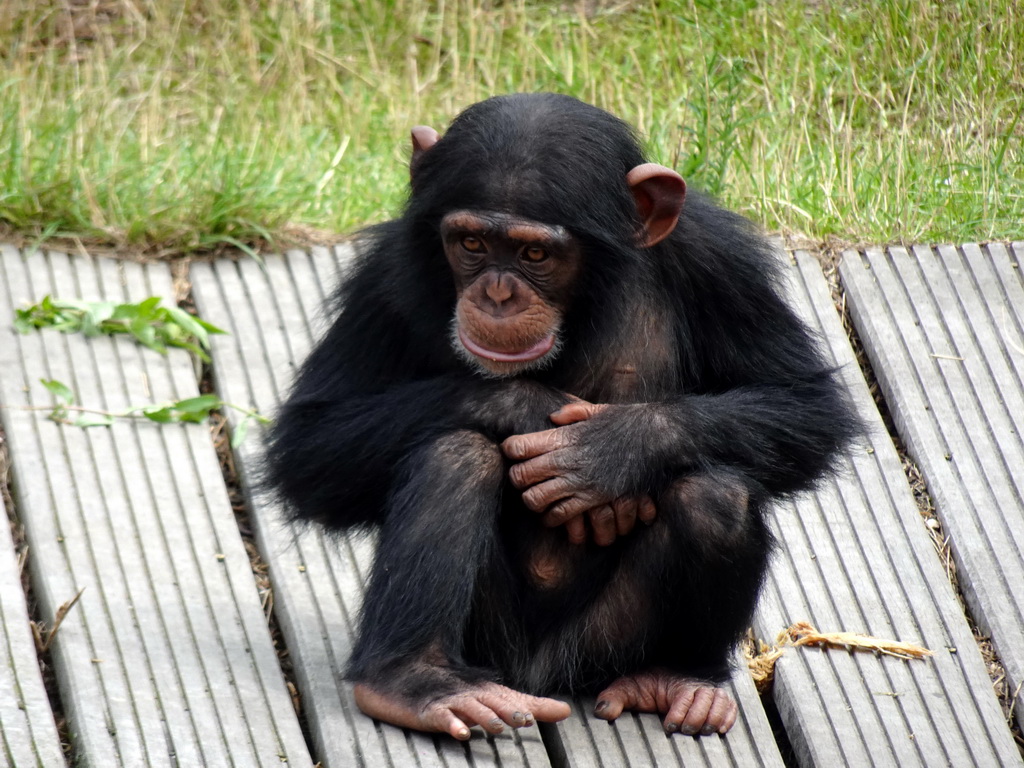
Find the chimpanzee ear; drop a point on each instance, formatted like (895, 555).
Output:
(659, 193)
(423, 138)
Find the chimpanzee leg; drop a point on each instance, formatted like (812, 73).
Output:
(682, 594)
(440, 532)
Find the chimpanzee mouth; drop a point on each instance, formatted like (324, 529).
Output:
(535, 352)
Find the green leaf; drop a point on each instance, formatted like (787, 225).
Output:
(125, 312)
(148, 309)
(189, 324)
(93, 420)
(239, 432)
(61, 391)
(202, 404)
(70, 305)
(143, 330)
(95, 315)
(161, 414)
(152, 325)
(23, 321)
(210, 327)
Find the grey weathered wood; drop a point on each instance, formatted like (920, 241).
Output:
(318, 581)
(944, 330)
(28, 736)
(855, 557)
(637, 740)
(273, 315)
(166, 660)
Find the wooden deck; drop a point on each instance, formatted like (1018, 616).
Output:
(166, 660)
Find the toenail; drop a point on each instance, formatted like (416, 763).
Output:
(707, 730)
(518, 717)
(601, 706)
(671, 727)
(689, 730)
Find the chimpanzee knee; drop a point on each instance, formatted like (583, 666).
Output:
(712, 510)
(441, 526)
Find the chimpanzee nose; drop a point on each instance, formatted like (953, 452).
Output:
(499, 291)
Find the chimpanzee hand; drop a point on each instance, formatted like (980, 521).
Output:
(565, 473)
(611, 520)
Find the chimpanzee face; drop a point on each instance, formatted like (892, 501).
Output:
(513, 278)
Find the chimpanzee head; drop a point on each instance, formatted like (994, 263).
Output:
(525, 192)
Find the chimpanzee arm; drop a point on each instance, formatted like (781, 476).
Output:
(332, 456)
(781, 438)
(761, 401)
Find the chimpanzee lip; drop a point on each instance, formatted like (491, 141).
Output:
(538, 350)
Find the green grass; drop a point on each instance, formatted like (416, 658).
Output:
(174, 127)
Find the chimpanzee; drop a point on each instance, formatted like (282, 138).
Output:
(546, 348)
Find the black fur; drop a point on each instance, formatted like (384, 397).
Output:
(386, 427)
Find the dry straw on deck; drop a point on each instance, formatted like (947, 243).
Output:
(761, 657)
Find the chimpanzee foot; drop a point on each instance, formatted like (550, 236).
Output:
(690, 706)
(488, 705)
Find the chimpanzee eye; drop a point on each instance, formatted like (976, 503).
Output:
(535, 254)
(473, 244)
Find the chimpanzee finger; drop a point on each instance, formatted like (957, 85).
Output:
(576, 411)
(647, 511)
(577, 530)
(687, 714)
(541, 496)
(438, 717)
(602, 521)
(625, 514)
(470, 710)
(561, 512)
(722, 715)
(519, 447)
(535, 470)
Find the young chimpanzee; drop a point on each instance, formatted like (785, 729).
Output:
(547, 347)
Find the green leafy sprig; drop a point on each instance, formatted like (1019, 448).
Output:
(192, 410)
(154, 326)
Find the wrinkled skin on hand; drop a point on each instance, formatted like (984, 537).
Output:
(564, 474)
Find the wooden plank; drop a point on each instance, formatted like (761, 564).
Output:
(639, 739)
(944, 330)
(166, 660)
(28, 735)
(275, 315)
(855, 556)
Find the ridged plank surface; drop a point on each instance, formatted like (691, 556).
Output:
(274, 316)
(166, 659)
(638, 740)
(28, 736)
(855, 557)
(944, 329)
